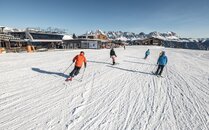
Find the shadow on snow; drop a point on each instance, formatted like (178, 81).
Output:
(99, 62)
(138, 62)
(134, 57)
(49, 72)
(130, 70)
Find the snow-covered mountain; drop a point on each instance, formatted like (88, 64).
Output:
(34, 29)
(67, 37)
(130, 36)
(164, 36)
(127, 36)
(9, 29)
(171, 39)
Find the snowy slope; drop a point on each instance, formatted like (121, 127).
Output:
(34, 95)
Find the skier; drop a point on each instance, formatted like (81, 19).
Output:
(79, 60)
(162, 61)
(160, 53)
(124, 47)
(147, 53)
(113, 55)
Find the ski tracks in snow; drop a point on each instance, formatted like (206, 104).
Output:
(193, 107)
(126, 96)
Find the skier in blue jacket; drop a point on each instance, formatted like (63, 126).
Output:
(147, 53)
(162, 61)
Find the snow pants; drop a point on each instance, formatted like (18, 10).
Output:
(113, 59)
(75, 71)
(145, 56)
(159, 69)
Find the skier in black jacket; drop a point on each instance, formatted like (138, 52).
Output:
(113, 55)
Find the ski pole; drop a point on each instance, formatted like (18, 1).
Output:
(166, 70)
(154, 69)
(83, 74)
(68, 67)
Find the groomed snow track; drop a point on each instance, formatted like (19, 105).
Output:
(34, 94)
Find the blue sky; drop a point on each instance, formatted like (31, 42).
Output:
(188, 18)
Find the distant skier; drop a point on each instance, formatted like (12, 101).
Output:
(162, 61)
(79, 60)
(113, 55)
(147, 53)
(124, 47)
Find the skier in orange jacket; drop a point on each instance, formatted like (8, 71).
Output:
(79, 60)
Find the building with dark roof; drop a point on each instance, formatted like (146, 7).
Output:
(20, 39)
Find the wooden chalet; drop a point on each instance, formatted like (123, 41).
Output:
(148, 41)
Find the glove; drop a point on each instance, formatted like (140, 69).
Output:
(85, 65)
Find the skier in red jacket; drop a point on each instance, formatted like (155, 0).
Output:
(79, 60)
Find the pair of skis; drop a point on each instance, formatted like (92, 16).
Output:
(115, 63)
(71, 79)
(157, 75)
